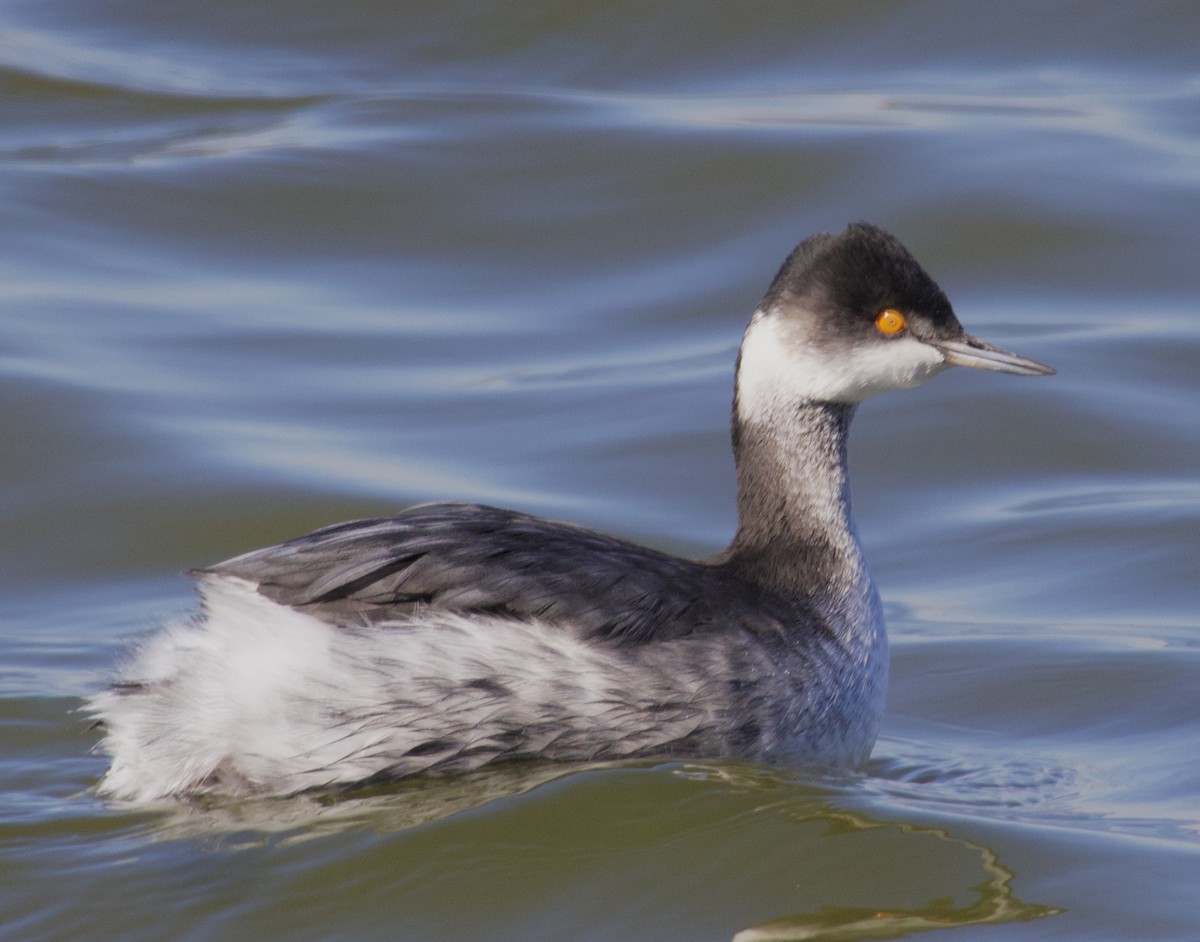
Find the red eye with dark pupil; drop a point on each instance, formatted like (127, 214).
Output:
(890, 322)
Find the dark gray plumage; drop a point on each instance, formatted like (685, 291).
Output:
(455, 635)
(470, 558)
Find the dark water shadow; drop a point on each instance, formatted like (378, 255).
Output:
(997, 903)
(741, 792)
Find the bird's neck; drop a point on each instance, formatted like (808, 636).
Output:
(796, 533)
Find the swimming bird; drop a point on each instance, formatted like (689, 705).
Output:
(455, 635)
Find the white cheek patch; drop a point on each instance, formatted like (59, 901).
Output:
(780, 367)
(900, 363)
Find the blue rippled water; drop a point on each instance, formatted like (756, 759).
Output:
(268, 266)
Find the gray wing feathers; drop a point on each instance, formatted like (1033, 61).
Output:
(468, 557)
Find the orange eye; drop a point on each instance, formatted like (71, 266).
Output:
(890, 322)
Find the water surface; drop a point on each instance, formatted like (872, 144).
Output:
(269, 266)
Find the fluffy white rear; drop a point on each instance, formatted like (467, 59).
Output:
(252, 697)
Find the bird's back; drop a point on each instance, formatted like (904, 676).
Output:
(474, 559)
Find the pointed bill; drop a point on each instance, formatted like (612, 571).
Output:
(969, 351)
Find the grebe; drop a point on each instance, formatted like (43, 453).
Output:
(453, 635)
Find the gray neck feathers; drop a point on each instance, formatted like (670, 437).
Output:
(796, 534)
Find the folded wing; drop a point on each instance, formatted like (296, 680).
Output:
(473, 558)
